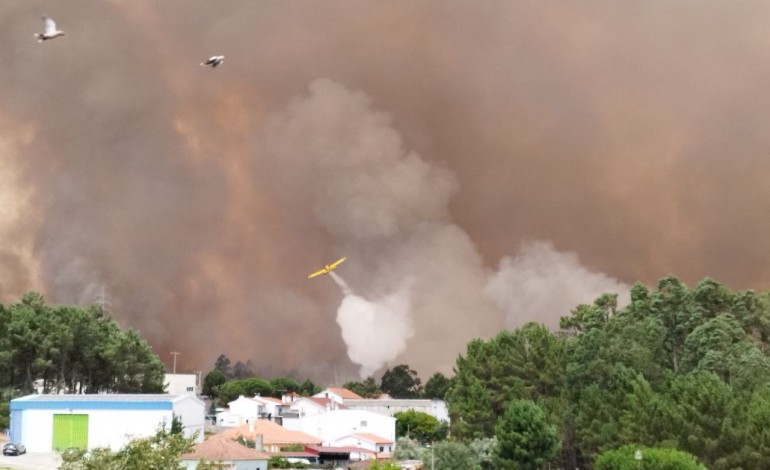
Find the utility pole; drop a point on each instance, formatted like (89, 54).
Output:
(175, 354)
(432, 458)
(103, 301)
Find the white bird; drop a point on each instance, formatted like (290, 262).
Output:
(214, 60)
(50, 31)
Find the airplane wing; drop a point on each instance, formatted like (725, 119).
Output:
(317, 273)
(50, 26)
(336, 263)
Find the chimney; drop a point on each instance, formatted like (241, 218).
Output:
(258, 443)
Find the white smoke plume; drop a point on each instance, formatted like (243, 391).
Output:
(375, 331)
(387, 210)
(542, 284)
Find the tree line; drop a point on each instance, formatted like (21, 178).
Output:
(679, 368)
(677, 372)
(72, 349)
(227, 381)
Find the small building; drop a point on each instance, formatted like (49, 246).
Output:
(337, 424)
(180, 384)
(226, 453)
(243, 410)
(240, 411)
(309, 406)
(271, 407)
(271, 437)
(338, 394)
(372, 442)
(46, 423)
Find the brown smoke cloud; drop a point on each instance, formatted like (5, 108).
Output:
(629, 134)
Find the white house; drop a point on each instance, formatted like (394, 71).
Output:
(271, 407)
(376, 444)
(338, 394)
(337, 424)
(44, 423)
(269, 436)
(179, 384)
(391, 406)
(245, 409)
(309, 406)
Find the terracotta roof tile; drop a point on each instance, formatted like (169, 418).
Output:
(269, 399)
(344, 392)
(271, 433)
(218, 448)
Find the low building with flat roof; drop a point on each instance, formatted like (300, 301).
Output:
(46, 423)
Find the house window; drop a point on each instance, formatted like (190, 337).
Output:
(190, 389)
(382, 448)
(363, 424)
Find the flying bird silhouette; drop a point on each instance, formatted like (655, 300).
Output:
(214, 60)
(50, 31)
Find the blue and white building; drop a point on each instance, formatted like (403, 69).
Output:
(46, 423)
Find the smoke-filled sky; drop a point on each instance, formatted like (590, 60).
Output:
(480, 164)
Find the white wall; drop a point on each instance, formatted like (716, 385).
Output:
(391, 406)
(227, 419)
(353, 441)
(106, 428)
(270, 406)
(306, 407)
(180, 384)
(192, 412)
(112, 428)
(245, 408)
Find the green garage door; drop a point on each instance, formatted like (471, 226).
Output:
(70, 431)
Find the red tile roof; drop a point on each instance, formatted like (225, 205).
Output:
(269, 399)
(223, 449)
(344, 392)
(271, 433)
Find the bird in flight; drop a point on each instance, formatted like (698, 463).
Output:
(49, 31)
(213, 61)
(327, 268)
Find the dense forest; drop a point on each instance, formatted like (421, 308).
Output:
(677, 368)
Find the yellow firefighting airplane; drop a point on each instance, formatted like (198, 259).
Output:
(327, 268)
